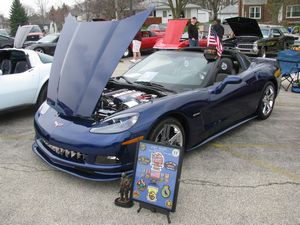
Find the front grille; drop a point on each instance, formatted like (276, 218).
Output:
(65, 153)
(245, 46)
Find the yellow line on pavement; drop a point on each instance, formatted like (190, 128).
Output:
(257, 162)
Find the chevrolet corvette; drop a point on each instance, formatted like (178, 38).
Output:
(91, 122)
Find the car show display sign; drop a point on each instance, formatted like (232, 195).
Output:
(156, 177)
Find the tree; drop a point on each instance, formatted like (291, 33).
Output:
(42, 6)
(177, 7)
(17, 16)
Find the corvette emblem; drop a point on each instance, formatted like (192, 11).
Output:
(58, 124)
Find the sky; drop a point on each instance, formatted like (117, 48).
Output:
(6, 4)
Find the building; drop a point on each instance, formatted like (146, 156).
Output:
(163, 10)
(263, 11)
(228, 12)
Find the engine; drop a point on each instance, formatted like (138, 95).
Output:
(113, 101)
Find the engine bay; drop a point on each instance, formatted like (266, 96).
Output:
(115, 99)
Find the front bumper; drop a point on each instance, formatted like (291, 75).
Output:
(69, 146)
(83, 170)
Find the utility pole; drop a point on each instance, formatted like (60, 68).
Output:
(116, 10)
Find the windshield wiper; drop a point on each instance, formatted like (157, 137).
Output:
(155, 85)
(124, 78)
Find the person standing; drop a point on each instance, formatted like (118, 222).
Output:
(136, 47)
(218, 28)
(193, 33)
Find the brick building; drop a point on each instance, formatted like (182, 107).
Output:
(263, 11)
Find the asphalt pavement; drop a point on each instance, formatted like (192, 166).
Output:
(250, 175)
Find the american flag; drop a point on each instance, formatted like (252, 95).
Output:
(213, 40)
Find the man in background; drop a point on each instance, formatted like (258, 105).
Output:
(193, 33)
(218, 28)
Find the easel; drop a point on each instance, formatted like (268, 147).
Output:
(155, 210)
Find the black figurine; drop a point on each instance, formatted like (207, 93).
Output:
(124, 199)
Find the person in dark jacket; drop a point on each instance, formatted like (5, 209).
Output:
(193, 32)
(218, 28)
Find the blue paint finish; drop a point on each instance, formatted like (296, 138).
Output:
(204, 113)
(86, 55)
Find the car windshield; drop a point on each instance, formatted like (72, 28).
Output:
(35, 29)
(4, 32)
(265, 32)
(175, 70)
(283, 30)
(45, 58)
(48, 39)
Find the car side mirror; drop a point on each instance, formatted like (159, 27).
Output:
(231, 79)
(1, 72)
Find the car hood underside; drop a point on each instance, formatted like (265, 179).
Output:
(86, 55)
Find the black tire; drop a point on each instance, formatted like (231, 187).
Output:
(42, 95)
(41, 50)
(262, 52)
(267, 101)
(157, 136)
(127, 53)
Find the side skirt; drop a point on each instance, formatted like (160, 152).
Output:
(221, 133)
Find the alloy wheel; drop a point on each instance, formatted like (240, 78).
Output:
(170, 134)
(268, 100)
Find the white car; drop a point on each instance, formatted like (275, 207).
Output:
(24, 77)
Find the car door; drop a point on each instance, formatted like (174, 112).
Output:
(148, 39)
(18, 89)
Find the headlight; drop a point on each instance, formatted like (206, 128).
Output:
(43, 108)
(255, 46)
(116, 124)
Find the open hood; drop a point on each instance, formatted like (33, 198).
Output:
(86, 55)
(21, 35)
(242, 26)
(173, 34)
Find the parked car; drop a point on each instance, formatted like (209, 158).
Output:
(24, 75)
(158, 29)
(251, 39)
(6, 42)
(46, 44)
(91, 122)
(35, 33)
(149, 39)
(3, 32)
(176, 38)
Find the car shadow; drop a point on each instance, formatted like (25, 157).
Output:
(8, 116)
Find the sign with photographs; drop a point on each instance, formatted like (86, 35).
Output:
(156, 175)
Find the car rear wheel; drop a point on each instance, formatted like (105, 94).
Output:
(42, 95)
(169, 131)
(127, 53)
(267, 101)
(39, 50)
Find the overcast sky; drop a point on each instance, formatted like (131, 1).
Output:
(6, 4)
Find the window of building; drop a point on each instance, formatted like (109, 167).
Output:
(293, 11)
(255, 12)
(165, 13)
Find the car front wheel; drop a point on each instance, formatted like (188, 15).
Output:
(267, 101)
(262, 52)
(169, 131)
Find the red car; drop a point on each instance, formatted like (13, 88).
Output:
(149, 39)
(174, 39)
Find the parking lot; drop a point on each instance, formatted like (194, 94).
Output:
(248, 176)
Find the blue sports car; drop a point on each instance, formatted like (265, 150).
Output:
(91, 122)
